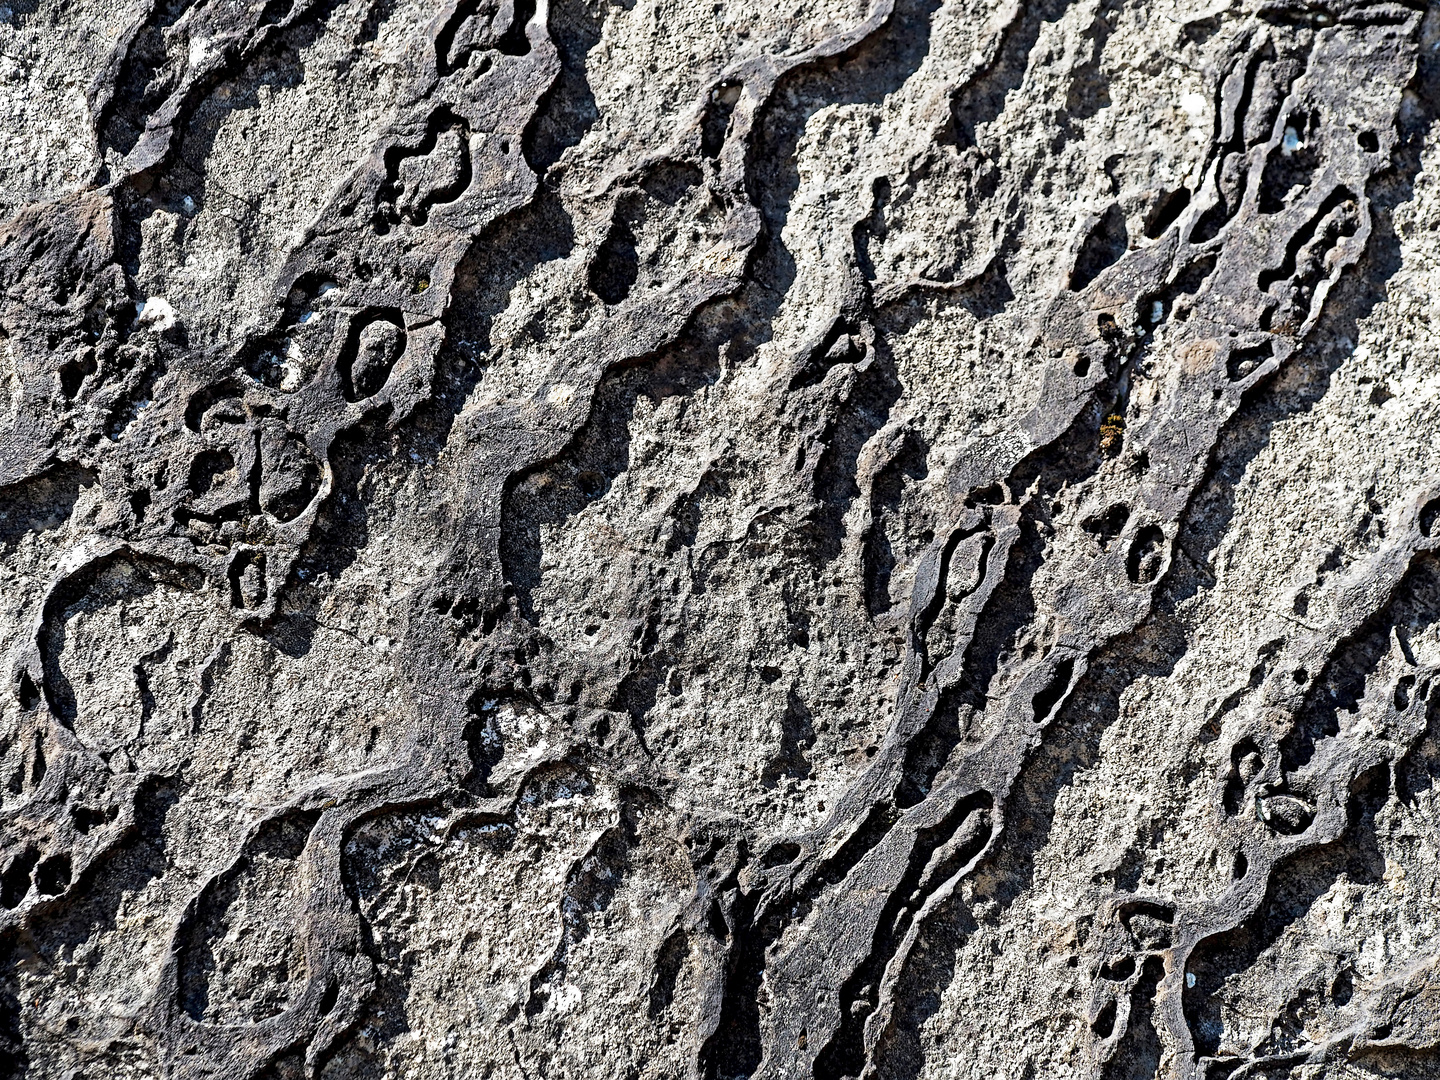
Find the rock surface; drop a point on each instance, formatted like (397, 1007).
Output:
(658, 538)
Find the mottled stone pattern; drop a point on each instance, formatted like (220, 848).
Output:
(654, 539)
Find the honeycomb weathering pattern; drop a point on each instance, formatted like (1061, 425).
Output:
(866, 538)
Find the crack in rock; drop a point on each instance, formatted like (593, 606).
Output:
(875, 539)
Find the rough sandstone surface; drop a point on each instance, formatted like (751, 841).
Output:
(658, 538)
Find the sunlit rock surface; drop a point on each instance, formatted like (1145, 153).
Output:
(655, 538)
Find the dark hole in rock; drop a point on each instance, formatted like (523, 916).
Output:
(1242, 362)
(1106, 242)
(1343, 988)
(291, 483)
(1428, 514)
(1047, 699)
(1105, 527)
(15, 880)
(616, 265)
(26, 691)
(53, 875)
(87, 818)
(486, 747)
(716, 119)
(989, 495)
(1149, 924)
(591, 483)
(1402, 692)
(208, 469)
(1291, 165)
(1286, 814)
(373, 345)
(248, 589)
(1166, 211)
(75, 372)
(377, 349)
(1104, 1023)
(1147, 555)
(780, 855)
(1118, 969)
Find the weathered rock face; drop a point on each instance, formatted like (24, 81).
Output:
(638, 539)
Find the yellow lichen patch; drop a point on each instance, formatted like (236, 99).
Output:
(1112, 433)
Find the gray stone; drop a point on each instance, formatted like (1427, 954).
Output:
(619, 538)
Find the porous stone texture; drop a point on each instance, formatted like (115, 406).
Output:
(684, 539)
